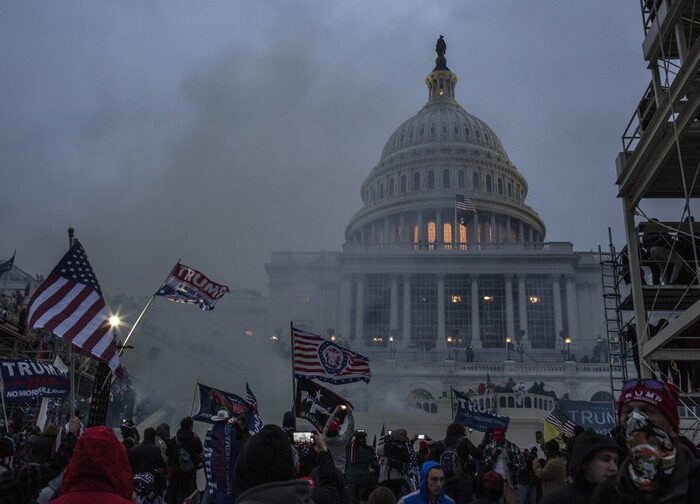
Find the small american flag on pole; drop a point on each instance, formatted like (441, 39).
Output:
(463, 203)
(70, 304)
(561, 422)
(316, 357)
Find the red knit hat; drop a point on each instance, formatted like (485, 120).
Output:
(661, 395)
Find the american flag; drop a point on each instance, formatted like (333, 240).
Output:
(463, 203)
(316, 357)
(69, 303)
(250, 397)
(561, 422)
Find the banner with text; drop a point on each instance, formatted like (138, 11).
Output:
(598, 416)
(25, 380)
(470, 415)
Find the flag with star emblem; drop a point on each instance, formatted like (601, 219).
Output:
(70, 304)
(315, 403)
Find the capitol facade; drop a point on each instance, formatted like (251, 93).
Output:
(441, 298)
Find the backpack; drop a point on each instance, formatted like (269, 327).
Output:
(450, 461)
(184, 459)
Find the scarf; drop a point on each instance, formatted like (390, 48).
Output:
(652, 454)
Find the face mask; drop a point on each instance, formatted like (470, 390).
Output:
(652, 454)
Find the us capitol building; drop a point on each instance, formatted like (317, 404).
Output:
(438, 297)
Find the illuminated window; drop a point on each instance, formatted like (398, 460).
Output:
(416, 234)
(446, 179)
(416, 181)
(431, 232)
(460, 179)
(447, 232)
(431, 180)
(462, 233)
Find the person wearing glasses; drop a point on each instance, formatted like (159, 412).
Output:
(661, 466)
(432, 487)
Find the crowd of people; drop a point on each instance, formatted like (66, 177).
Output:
(644, 460)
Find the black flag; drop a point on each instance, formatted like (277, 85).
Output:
(316, 403)
(7, 265)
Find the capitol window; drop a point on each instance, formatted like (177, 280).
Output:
(431, 232)
(475, 180)
(391, 187)
(431, 180)
(432, 130)
(510, 190)
(466, 130)
(489, 185)
(460, 179)
(403, 183)
(462, 233)
(416, 234)
(500, 186)
(446, 179)
(416, 181)
(447, 232)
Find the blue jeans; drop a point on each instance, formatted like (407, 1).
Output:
(527, 494)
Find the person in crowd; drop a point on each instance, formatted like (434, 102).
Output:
(98, 471)
(184, 458)
(454, 454)
(505, 458)
(337, 442)
(593, 459)
(146, 458)
(162, 439)
(361, 473)
(381, 495)
(328, 482)
(265, 471)
(19, 485)
(527, 481)
(220, 449)
(145, 489)
(490, 489)
(660, 467)
(129, 431)
(241, 427)
(394, 457)
(432, 487)
(552, 474)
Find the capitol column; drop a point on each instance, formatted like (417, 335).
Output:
(522, 308)
(509, 232)
(441, 342)
(558, 322)
(419, 223)
(387, 231)
(521, 232)
(476, 333)
(531, 233)
(493, 238)
(474, 240)
(402, 228)
(572, 310)
(360, 311)
(394, 305)
(510, 317)
(438, 229)
(345, 306)
(406, 336)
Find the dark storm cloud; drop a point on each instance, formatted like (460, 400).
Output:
(221, 132)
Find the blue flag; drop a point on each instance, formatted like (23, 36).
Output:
(598, 416)
(212, 400)
(7, 265)
(470, 415)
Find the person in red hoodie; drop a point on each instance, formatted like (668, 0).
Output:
(99, 471)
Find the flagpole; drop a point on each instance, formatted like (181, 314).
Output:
(452, 402)
(455, 230)
(194, 394)
(4, 411)
(291, 335)
(71, 356)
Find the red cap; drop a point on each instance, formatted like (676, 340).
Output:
(334, 426)
(661, 395)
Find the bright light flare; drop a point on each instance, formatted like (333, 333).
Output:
(114, 321)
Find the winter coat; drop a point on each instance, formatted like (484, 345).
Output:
(552, 475)
(683, 486)
(190, 442)
(329, 484)
(146, 457)
(465, 449)
(579, 490)
(99, 471)
(421, 495)
(338, 444)
(278, 492)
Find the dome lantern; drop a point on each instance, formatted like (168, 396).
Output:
(441, 81)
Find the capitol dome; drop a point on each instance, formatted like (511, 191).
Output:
(441, 154)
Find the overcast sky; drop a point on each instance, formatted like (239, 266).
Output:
(217, 132)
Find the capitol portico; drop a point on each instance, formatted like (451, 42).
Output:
(421, 286)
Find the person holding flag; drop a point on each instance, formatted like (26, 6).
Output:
(338, 443)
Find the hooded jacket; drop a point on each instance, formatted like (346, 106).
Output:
(421, 495)
(579, 490)
(682, 486)
(99, 471)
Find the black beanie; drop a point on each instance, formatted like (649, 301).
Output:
(288, 420)
(266, 457)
